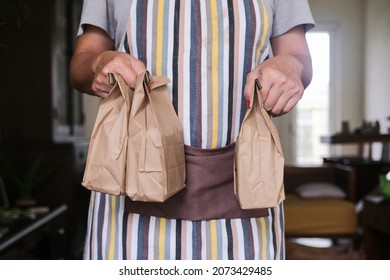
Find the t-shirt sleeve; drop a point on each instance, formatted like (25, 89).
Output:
(291, 13)
(99, 13)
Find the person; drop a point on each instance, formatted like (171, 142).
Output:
(212, 51)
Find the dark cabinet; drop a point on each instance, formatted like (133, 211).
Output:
(40, 114)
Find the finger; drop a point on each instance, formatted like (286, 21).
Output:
(101, 85)
(131, 70)
(249, 87)
(270, 92)
(266, 86)
(102, 94)
(291, 104)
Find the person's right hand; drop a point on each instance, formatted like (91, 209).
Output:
(94, 58)
(120, 63)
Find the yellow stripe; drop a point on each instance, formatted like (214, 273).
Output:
(159, 43)
(161, 243)
(214, 73)
(214, 240)
(265, 31)
(263, 239)
(112, 230)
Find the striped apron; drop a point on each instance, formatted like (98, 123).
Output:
(206, 48)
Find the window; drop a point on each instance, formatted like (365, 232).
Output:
(313, 110)
(68, 115)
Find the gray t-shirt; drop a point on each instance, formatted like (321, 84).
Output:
(112, 16)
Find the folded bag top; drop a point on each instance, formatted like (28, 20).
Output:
(259, 160)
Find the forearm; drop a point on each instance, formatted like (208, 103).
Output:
(82, 72)
(292, 46)
(306, 68)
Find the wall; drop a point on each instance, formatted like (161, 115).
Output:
(349, 17)
(377, 70)
(91, 107)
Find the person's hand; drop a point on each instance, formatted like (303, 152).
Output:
(120, 63)
(94, 58)
(280, 78)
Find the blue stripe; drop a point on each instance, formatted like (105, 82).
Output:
(166, 20)
(194, 84)
(178, 240)
(248, 53)
(124, 235)
(99, 226)
(140, 233)
(231, 70)
(168, 239)
(248, 239)
(196, 234)
(229, 239)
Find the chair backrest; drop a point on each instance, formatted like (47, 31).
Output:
(341, 175)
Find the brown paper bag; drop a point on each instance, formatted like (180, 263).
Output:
(259, 160)
(155, 161)
(107, 152)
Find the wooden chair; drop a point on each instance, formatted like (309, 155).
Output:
(322, 217)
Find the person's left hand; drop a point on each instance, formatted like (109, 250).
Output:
(280, 78)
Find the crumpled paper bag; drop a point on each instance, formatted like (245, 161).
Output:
(156, 161)
(259, 159)
(105, 169)
(137, 145)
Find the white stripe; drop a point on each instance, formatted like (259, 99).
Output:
(95, 229)
(265, 53)
(240, 239)
(255, 234)
(149, 34)
(240, 66)
(134, 237)
(87, 248)
(170, 37)
(133, 31)
(270, 243)
(203, 229)
(224, 241)
(151, 234)
(225, 74)
(186, 72)
(188, 240)
(280, 230)
(106, 219)
(172, 238)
